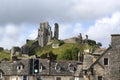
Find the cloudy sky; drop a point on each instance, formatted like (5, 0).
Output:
(19, 19)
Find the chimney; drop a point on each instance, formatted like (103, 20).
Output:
(115, 39)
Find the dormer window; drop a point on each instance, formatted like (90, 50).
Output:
(20, 67)
(1, 75)
(40, 67)
(71, 68)
(57, 67)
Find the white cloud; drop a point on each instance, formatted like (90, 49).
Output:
(99, 31)
(91, 10)
(103, 28)
(15, 35)
(34, 11)
(77, 29)
(33, 34)
(64, 31)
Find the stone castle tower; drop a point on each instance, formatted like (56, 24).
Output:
(56, 31)
(45, 33)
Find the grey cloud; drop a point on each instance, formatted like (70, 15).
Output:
(19, 11)
(35, 11)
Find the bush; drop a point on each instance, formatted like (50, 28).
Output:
(61, 43)
(50, 54)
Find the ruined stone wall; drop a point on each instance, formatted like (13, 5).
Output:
(72, 40)
(56, 31)
(44, 34)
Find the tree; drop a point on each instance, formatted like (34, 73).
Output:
(99, 44)
(75, 53)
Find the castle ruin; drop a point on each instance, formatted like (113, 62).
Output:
(45, 33)
(56, 31)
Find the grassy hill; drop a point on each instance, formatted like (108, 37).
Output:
(63, 46)
(4, 54)
(48, 48)
(61, 49)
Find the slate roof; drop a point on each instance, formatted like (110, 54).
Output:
(88, 61)
(100, 57)
(99, 51)
(64, 67)
(48, 67)
(10, 68)
(79, 71)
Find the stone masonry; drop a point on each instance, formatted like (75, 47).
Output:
(45, 33)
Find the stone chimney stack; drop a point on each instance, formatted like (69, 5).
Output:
(56, 31)
(115, 39)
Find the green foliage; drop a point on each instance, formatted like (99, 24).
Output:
(61, 43)
(75, 53)
(98, 44)
(67, 51)
(92, 42)
(4, 54)
(43, 50)
(29, 42)
(69, 54)
(50, 54)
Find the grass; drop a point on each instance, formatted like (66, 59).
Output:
(4, 54)
(29, 43)
(63, 46)
(61, 49)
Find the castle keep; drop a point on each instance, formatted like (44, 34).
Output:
(45, 33)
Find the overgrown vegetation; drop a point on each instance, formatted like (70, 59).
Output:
(50, 55)
(29, 42)
(66, 51)
(4, 54)
(69, 54)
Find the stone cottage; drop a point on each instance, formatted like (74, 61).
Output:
(107, 66)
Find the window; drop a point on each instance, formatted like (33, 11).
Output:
(119, 69)
(105, 61)
(25, 77)
(19, 68)
(57, 67)
(99, 77)
(71, 67)
(58, 78)
(0, 75)
(41, 68)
